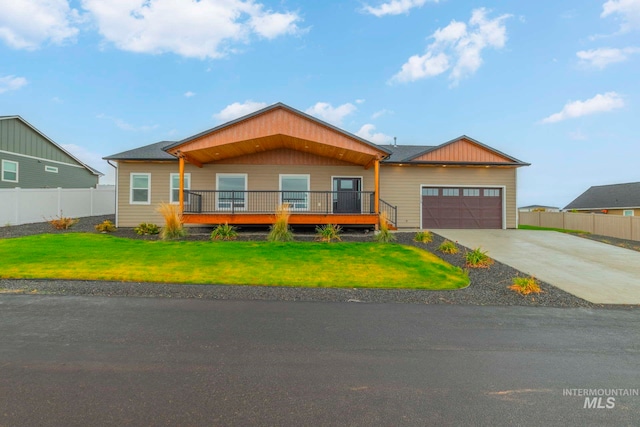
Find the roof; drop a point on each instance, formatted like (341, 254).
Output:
(402, 153)
(80, 162)
(538, 206)
(608, 196)
(153, 151)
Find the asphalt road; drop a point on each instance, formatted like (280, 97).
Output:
(94, 361)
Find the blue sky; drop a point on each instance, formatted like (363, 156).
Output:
(553, 83)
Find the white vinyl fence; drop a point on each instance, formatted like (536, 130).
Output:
(27, 205)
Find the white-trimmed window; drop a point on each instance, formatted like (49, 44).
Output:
(451, 192)
(51, 169)
(627, 212)
(489, 192)
(9, 171)
(232, 191)
(175, 187)
(471, 192)
(295, 191)
(432, 192)
(140, 193)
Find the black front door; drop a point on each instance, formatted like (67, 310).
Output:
(347, 196)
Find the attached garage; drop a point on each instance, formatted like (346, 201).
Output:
(462, 207)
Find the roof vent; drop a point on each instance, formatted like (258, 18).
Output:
(395, 141)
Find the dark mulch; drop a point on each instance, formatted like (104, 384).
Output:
(488, 286)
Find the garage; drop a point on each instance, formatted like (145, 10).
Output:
(462, 207)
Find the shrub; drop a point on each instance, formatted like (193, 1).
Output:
(146, 228)
(525, 285)
(173, 228)
(280, 230)
(448, 247)
(224, 232)
(384, 235)
(329, 232)
(63, 223)
(478, 259)
(105, 227)
(423, 237)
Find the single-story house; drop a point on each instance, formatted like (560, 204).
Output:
(30, 159)
(614, 199)
(538, 208)
(241, 171)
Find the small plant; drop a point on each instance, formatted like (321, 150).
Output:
(423, 237)
(448, 247)
(105, 227)
(146, 228)
(63, 223)
(329, 232)
(280, 230)
(384, 235)
(173, 228)
(224, 232)
(478, 259)
(525, 285)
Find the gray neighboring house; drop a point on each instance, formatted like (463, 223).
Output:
(614, 199)
(30, 159)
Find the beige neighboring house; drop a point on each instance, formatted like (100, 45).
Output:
(241, 171)
(614, 199)
(538, 208)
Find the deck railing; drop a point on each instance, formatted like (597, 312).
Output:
(315, 202)
(390, 211)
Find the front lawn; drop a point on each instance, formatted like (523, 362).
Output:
(560, 230)
(103, 257)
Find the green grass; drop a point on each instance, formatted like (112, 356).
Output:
(561, 230)
(105, 257)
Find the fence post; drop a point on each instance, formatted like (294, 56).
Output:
(17, 212)
(91, 200)
(59, 201)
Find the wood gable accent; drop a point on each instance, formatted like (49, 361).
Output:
(274, 128)
(463, 150)
(283, 156)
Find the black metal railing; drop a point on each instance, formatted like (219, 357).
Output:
(390, 211)
(315, 202)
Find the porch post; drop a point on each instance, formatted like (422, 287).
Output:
(376, 180)
(181, 192)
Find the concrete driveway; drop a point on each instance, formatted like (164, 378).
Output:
(594, 271)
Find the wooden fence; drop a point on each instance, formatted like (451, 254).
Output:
(622, 227)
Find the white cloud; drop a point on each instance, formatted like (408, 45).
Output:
(8, 83)
(189, 94)
(381, 113)
(456, 48)
(395, 7)
(27, 24)
(578, 135)
(627, 11)
(598, 104)
(367, 132)
(94, 160)
(197, 29)
(604, 56)
(121, 124)
(235, 110)
(330, 114)
(360, 101)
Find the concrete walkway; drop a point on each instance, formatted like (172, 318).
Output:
(597, 272)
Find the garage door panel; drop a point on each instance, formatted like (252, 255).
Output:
(462, 207)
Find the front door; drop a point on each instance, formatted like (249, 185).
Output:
(346, 196)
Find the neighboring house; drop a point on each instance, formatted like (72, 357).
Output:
(29, 159)
(241, 171)
(538, 208)
(614, 199)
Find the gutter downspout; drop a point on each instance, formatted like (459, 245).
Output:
(117, 188)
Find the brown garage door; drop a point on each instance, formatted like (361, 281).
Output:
(463, 207)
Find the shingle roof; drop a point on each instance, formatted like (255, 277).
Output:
(148, 152)
(400, 153)
(608, 196)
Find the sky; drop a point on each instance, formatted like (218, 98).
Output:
(552, 83)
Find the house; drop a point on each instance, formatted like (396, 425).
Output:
(614, 199)
(29, 159)
(241, 171)
(538, 208)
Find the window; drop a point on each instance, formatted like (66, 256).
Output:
(140, 189)
(451, 192)
(51, 169)
(627, 212)
(175, 187)
(9, 171)
(429, 191)
(231, 191)
(471, 192)
(295, 191)
(488, 192)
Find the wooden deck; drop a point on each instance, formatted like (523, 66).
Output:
(362, 220)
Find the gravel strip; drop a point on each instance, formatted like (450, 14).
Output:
(488, 286)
